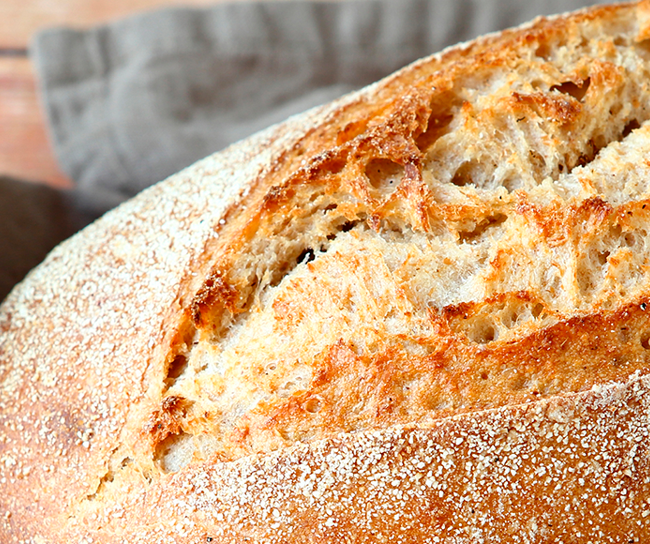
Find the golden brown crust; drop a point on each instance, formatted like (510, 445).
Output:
(572, 469)
(501, 396)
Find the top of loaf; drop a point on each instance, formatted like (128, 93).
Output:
(470, 233)
(480, 240)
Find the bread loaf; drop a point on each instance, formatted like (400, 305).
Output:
(418, 314)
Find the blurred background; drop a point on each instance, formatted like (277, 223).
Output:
(25, 151)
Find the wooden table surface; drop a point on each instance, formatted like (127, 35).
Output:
(25, 150)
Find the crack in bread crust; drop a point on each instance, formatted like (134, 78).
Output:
(416, 314)
(453, 235)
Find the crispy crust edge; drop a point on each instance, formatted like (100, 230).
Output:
(25, 320)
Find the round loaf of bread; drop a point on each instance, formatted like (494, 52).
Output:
(418, 314)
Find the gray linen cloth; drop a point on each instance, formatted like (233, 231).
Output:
(133, 101)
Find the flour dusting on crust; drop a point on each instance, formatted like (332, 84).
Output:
(418, 314)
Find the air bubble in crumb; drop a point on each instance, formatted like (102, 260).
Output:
(312, 405)
(482, 332)
(175, 452)
(645, 341)
(384, 175)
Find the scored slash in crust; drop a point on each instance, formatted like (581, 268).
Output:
(418, 314)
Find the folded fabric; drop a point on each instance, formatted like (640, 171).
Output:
(134, 101)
